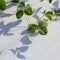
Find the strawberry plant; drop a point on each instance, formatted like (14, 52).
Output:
(22, 9)
(26, 9)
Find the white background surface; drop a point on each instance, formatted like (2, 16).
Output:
(38, 47)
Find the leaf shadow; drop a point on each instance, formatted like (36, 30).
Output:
(25, 40)
(36, 11)
(55, 19)
(20, 56)
(18, 52)
(3, 14)
(9, 5)
(24, 0)
(55, 4)
(4, 29)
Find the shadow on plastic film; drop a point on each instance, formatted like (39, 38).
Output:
(25, 40)
(4, 29)
(9, 5)
(24, 0)
(3, 14)
(36, 11)
(55, 4)
(18, 52)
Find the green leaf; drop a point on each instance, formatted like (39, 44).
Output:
(42, 27)
(21, 6)
(28, 10)
(50, 1)
(32, 28)
(44, 11)
(15, 1)
(49, 15)
(42, 30)
(2, 5)
(19, 14)
(57, 12)
(42, 24)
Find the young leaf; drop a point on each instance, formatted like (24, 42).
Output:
(28, 10)
(42, 30)
(15, 1)
(2, 5)
(32, 28)
(50, 1)
(19, 14)
(42, 24)
(49, 15)
(21, 6)
(42, 27)
(57, 12)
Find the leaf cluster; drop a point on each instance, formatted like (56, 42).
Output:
(23, 9)
(41, 26)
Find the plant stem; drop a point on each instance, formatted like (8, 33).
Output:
(27, 20)
(37, 18)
